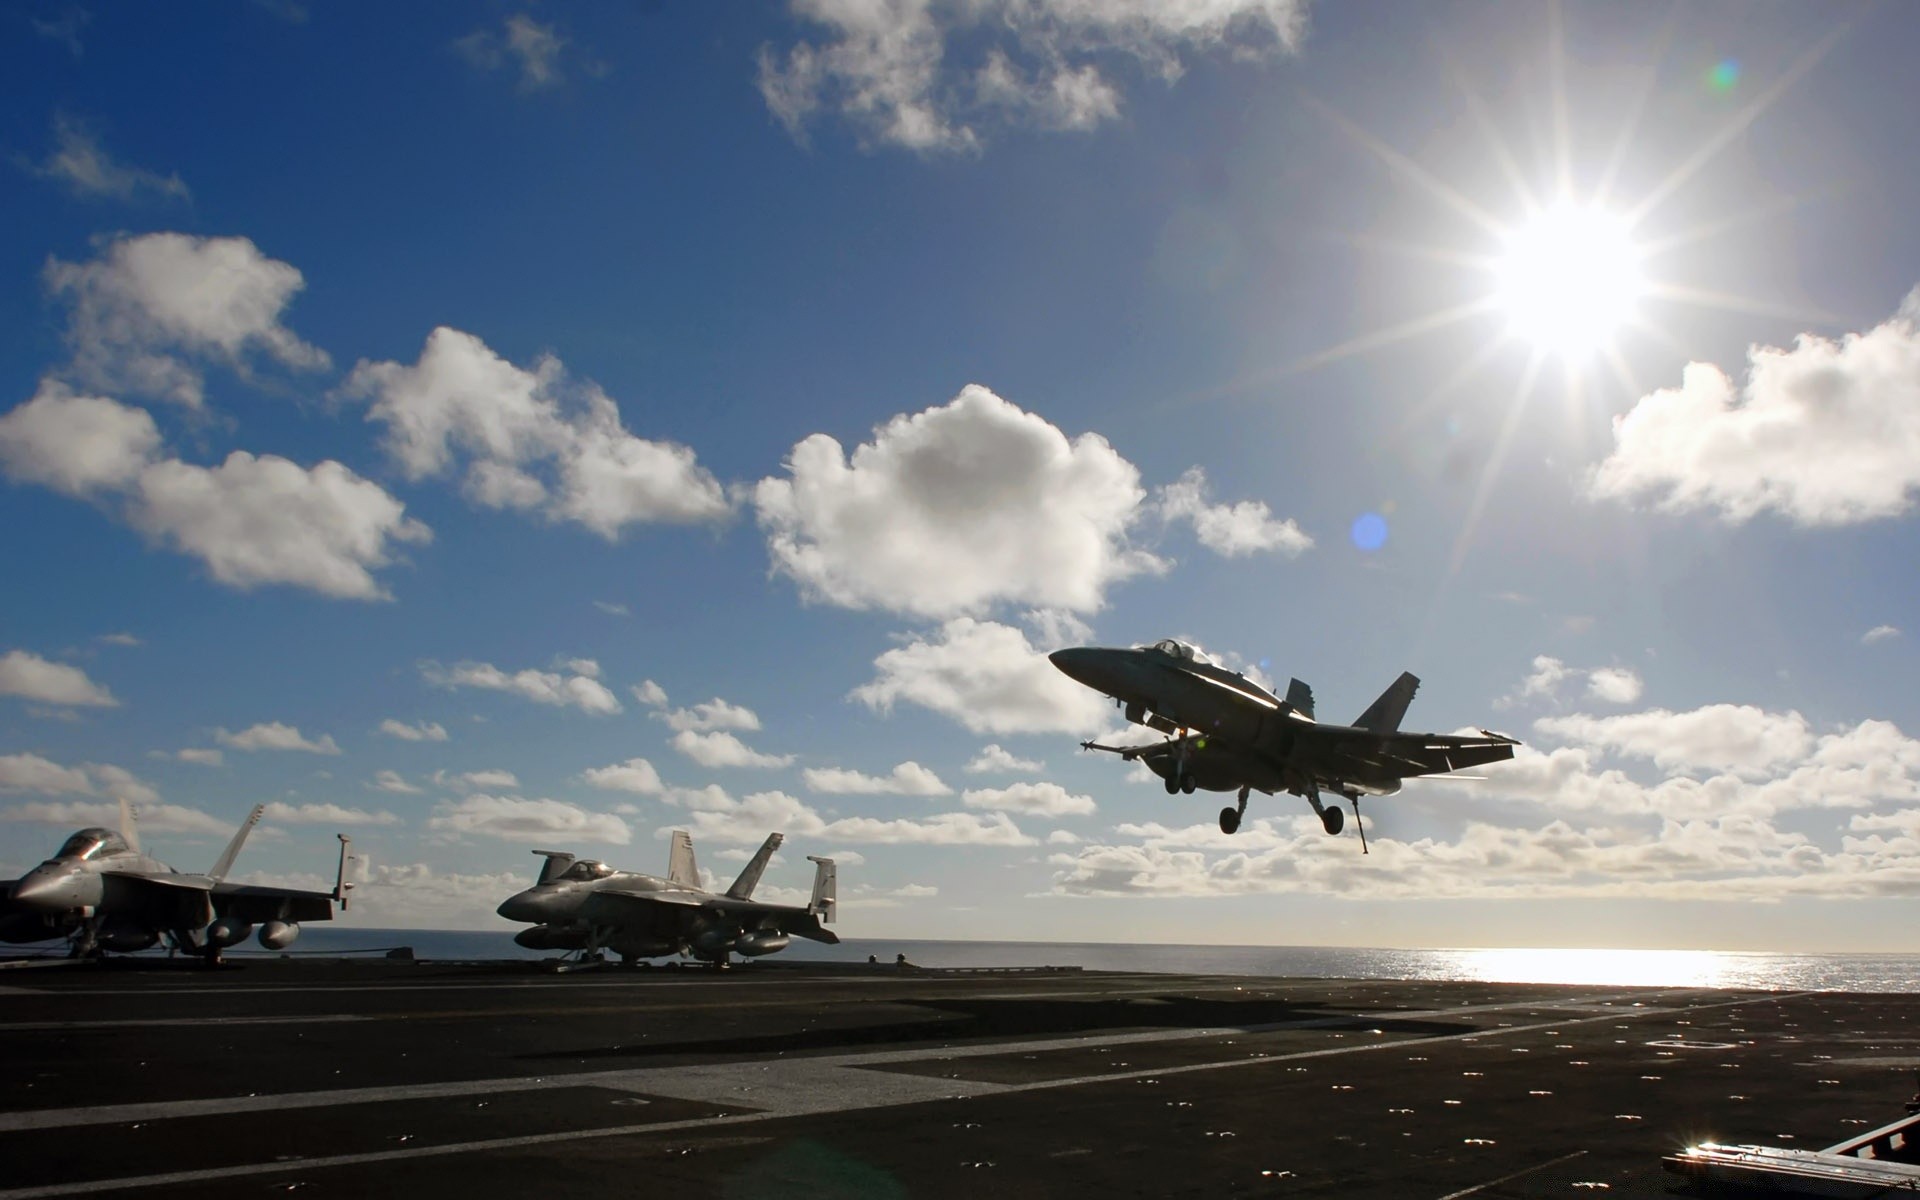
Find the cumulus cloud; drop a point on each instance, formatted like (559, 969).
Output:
(148, 310)
(522, 45)
(275, 735)
(424, 731)
(722, 749)
(1731, 737)
(906, 779)
(634, 775)
(417, 895)
(37, 776)
(393, 781)
(1230, 530)
(649, 694)
(471, 780)
(954, 509)
(31, 677)
(1616, 685)
(1879, 633)
(938, 77)
(993, 758)
(252, 520)
(710, 715)
(1032, 799)
(84, 167)
(327, 814)
(514, 819)
(154, 817)
(530, 439)
(556, 688)
(201, 757)
(986, 676)
(715, 815)
(1824, 433)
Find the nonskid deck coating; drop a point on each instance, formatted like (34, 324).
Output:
(372, 1079)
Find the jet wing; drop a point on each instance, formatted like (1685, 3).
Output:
(1410, 754)
(258, 902)
(615, 907)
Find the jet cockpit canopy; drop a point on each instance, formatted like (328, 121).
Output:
(586, 870)
(92, 842)
(1173, 649)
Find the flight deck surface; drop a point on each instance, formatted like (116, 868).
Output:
(358, 1078)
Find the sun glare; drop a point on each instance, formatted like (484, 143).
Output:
(1568, 280)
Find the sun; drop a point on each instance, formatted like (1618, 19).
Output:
(1568, 280)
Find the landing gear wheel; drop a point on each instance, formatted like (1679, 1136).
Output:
(1333, 820)
(1173, 784)
(1229, 820)
(1187, 784)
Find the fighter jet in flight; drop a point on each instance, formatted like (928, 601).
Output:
(585, 906)
(102, 893)
(1227, 733)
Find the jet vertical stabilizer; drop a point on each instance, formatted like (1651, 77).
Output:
(742, 888)
(1384, 714)
(680, 865)
(225, 862)
(556, 865)
(1300, 697)
(826, 886)
(129, 825)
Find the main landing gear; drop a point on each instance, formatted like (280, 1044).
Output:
(1179, 779)
(1230, 817)
(1333, 820)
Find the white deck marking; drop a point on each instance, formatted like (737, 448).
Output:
(784, 1086)
(1481, 1187)
(203, 1022)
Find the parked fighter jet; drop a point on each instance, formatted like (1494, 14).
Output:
(102, 893)
(587, 906)
(1228, 733)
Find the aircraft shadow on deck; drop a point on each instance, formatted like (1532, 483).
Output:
(961, 1018)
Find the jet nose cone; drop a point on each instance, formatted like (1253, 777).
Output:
(520, 907)
(1075, 662)
(43, 890)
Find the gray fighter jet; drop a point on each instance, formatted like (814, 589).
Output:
(586, 906)
(1227, 733)
(102, 893)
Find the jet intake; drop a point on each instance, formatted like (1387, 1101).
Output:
(230, 931)
(278, 935)
(764, 942)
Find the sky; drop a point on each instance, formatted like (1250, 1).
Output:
(479, 428)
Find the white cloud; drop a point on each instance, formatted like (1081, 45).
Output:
(470, 780)
(523, 44)
(327, 814)
(940, 829)
(1616, 685)
(986, 676)
(993, 758)
(393, 781)
(513, 819)
(64, 28)
(612, 609)
(1825, 433)
(251, 520)
(119, 639)
(1879, 633)
(39, 776)
(1733, 737)
(721, 749)
(712, 714)
(649, 694)
(1230, 530)
(1062, 837)
(532, 439)
(554, 688)
(83, 165)
(634, 775)
(154, 817)
(275, 735)
(906, 779)
(201, 757)
(1033, 799)
(933, 77)
(34, 678)
(147, 307)
(915, 891)
(954, 509)
(424, 731)
(416, 895)
(716, 816)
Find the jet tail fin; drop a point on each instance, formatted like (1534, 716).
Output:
(225, 862)
(556, 865)
(742, 888)
(1384, 715)
(826, 887)
(1300, 697)
(681, 868)
(129, 825)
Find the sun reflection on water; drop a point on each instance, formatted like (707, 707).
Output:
(1624, 968)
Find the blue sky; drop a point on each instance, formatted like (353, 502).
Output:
(475, 428)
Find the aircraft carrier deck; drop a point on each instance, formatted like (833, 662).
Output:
(376, 1078)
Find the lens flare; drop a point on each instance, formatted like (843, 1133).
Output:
(1370, 531)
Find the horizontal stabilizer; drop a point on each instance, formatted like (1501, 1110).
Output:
(1385, 714)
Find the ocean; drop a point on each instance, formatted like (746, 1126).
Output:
(1638, 968)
